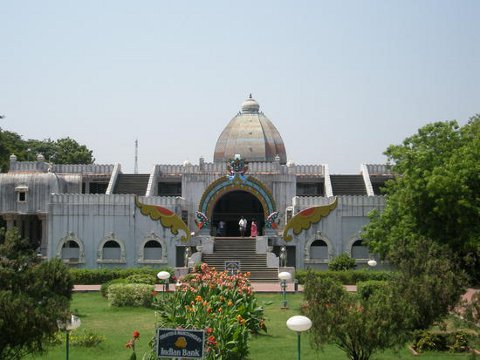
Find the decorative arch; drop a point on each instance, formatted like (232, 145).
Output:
(228, 184)
(111, 237)
(354, 239)
(81, 248)
(318, 236)
(141, 250)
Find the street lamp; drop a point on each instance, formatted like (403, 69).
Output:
(372, 263)
(67, 326)
(284, 276)
(164, 275)
(299, 323)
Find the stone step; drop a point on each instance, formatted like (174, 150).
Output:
(242, 250)
(131, 184)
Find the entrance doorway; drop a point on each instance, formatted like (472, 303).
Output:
(232, 206)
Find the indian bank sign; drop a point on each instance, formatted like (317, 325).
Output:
(185, 344)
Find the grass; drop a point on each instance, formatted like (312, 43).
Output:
(117, 325)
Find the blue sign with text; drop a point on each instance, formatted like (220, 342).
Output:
(180, 343)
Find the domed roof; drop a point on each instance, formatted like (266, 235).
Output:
(252, 135)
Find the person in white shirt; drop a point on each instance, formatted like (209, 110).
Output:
(242, 225)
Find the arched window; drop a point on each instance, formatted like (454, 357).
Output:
(152, 250)
(319, 250)
(70, 251)
(111, 250)
(359, 251)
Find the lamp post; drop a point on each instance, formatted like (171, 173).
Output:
(67, 326)
(299, 324)
(164, 275)
(284, 276)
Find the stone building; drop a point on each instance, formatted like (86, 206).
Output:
(97, 216)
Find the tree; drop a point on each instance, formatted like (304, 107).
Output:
(10, 143)
(61, 151)
(435, 194)
(424, 288)
(33, 295)
(358, 326)
(428, 280)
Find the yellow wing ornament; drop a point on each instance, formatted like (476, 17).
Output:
(305, 218)
(167, 218)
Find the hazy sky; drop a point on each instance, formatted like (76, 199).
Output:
(341, 80)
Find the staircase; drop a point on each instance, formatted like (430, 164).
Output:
(131, 184)
(243, 250)
(348, 185)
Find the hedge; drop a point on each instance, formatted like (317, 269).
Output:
(130, 295)
(347, 277)
(101, 276)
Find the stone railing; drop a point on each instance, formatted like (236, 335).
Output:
(378, 169)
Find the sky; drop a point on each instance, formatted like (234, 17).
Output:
(340, 80)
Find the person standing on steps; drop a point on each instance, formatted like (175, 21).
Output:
(242, 224)
(221, 228)
(253, 229)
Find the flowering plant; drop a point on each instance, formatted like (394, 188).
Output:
(131, 344)
(221, 304)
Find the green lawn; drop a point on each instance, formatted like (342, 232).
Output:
(117, 325)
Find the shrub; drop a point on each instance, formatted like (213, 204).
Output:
(366, 288)
(105, 286)
(130, 295)
(86, 338)
(341, 262)
(452, 341)
(346, 277)
(141, 279)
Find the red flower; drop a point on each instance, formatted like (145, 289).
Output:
(211, 340)
(136, 334)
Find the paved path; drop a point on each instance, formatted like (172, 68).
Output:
(260, 287)
(257, 287)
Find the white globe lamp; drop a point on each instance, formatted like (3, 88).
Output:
(284, 276)
(299, 323)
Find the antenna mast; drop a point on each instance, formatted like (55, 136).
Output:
(136, 157)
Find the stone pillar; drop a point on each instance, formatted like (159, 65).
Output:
(44, 240)
(27, 228)
(9, 218)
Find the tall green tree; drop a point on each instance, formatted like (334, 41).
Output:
(33, 295)
(61, 151)
(435, 194)
(425, 286)
(10, 143)
(360, 327)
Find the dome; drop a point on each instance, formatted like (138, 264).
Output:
(252, 135)
(250, 106)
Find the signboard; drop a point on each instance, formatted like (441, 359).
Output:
(232, 266)
(180, 343)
